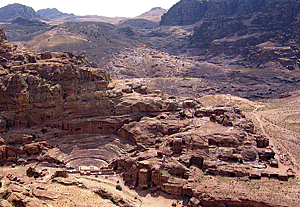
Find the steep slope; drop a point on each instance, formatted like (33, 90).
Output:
(234, 26)
(187, 12)
(12, 11)
(153, 15)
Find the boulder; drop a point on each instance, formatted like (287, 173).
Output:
(60, 173)
(193, 202)
(33, 148)
(30, 172)
(46, 55)
(273, 162)
(43, 194)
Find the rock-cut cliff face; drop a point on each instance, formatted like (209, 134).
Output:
(34, 88)
(188, 12)
(242, 27)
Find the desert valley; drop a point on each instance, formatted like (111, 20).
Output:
(197, 105)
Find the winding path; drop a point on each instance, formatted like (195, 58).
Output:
(274, 142)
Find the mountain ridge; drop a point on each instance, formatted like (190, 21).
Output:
(12, 11)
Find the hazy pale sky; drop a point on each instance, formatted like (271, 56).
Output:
(109, 8)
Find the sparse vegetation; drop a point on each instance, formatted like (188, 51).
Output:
(44, 131)
(112, 200)
(118, 187)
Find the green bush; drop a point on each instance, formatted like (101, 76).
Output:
(118, 187)
(112, 200)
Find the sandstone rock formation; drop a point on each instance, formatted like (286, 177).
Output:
(56, 110)
(247, 28)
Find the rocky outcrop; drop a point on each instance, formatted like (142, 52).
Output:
(58, 111)
(260, 31)
(182, 145)
(2, 35)
(248, 28)
(116, 199)
(34, 87)
(187, 12)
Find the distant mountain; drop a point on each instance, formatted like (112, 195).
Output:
(53, 14)
(153, 15)
(12, 11)
(58, 16)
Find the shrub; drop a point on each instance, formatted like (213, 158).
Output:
(118, 187)
(112, 200)
(43, 131)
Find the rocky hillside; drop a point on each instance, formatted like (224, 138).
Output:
(187, 12)
(153, 15)
(139, 23)
(96, 40)
(239, 55)
(234, 26)
(56, 110)
(59, 111)
(28, 22)
(12, 11)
